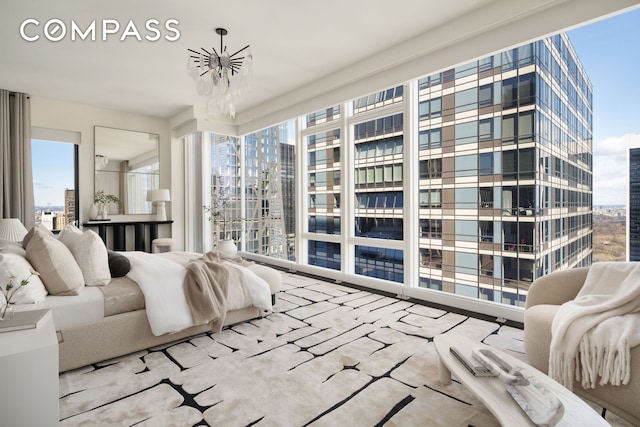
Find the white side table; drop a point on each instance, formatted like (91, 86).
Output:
(29, 376)
(493, 394)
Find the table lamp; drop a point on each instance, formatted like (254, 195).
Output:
(159, 197)
(11, 229)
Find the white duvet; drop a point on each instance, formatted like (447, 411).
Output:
(161, 279)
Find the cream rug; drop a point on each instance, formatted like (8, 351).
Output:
(329, 355)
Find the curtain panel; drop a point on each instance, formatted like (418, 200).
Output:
(16, 178)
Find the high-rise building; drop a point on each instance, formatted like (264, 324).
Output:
(69, 206)
(494, 165)
(505, 171)
(288, 191)
(633, 198)
(322, 146)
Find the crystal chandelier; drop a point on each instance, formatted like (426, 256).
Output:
(220, 77)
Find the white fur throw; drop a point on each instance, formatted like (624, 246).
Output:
(592, 335)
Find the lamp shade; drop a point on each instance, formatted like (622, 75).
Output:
(11, 229)
(161, 195)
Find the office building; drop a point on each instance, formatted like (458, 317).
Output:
(633, 198)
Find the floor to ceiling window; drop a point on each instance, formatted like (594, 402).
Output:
(378, 145)
(269, 191)
(322, 142)
(471, 181)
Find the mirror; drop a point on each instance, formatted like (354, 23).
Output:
(127, 165)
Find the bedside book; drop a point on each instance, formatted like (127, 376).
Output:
(463, 354)
(22, 320)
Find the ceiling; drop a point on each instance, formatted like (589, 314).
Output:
(294, 47)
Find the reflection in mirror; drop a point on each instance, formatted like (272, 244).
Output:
(127, 165)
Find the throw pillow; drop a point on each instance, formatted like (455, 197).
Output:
(119, 265)
(12, 247)
(41, 227)
(90, 253)
(70, 235)
(18, 267)
(58, 269)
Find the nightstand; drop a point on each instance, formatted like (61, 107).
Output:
(29, 375)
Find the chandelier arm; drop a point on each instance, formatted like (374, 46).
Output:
(246, 47)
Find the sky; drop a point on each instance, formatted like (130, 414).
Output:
(53, 171)
(610, 54)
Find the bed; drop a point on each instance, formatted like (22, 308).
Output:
(100, 313)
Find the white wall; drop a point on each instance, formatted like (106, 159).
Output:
(63, 115)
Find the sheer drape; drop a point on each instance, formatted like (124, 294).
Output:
(16, 178)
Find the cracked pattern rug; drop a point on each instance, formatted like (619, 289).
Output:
(329, 355)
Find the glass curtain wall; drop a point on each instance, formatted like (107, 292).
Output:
(223, 203)
(499, 190)
(269, 191)
(378, 185)
(322, 144)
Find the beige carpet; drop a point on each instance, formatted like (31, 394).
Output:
(329, 355)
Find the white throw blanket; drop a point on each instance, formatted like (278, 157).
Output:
(161, 279)
(592, 335)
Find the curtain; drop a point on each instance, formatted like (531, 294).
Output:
(124, 188)
(16, 178)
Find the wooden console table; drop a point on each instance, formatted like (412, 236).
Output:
(120, 235)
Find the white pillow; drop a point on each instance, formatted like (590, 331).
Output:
(93, 259)
(12, 264)
(90, 253)
(12, 247)
(69, 235)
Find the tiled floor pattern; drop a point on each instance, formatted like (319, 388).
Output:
(329, 355)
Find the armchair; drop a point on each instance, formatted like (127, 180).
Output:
(545, 296)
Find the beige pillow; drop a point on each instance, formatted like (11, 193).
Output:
(39, 226)
(58, 269)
